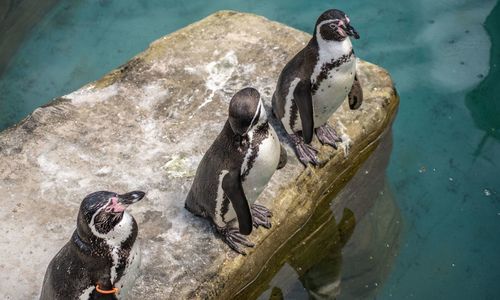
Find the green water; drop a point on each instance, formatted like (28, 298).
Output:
(443, 56)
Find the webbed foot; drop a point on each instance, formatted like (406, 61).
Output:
(327, 135)
(305, 153)
(234, 239)
(261, 216)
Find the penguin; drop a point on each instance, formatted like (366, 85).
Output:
(235, 170)
(101, 260)
(313, 85)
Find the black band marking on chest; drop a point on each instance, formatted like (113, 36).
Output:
(259, 135)
(123, 252)
(224, 207)
(294, 112)
(327, 67)
(123, 255)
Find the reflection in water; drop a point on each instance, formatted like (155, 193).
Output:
(312, 267)
(276, 294)
(369, 255)
(341, 260)
(346, 249)
(483, 102)
(322, 280)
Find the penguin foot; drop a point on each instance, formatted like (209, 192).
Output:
(233, 238)
(305, 153)
(327, 135)
(261, 216)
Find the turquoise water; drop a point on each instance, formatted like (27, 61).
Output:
(443, 56)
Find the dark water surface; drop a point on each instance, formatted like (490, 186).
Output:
(443, 56)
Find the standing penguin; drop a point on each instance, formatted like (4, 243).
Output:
(313, 85)
(101, 260)
(236, 169)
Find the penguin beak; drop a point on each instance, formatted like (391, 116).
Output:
(130, 198)
(351, 31)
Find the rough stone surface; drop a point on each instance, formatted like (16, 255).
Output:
(146, 126)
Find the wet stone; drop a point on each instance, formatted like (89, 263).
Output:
(146, 126)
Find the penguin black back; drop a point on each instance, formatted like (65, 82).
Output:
(226, 153)
(235, 170)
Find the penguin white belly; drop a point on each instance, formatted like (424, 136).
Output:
(130, 273)
(264, 166)
(332, 91)
(261, 170)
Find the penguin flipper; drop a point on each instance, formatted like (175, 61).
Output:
(231, 184)
(303, 100)
(356, 94)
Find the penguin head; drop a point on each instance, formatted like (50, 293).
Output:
(335, 25)
(245, 111)
(101, 211)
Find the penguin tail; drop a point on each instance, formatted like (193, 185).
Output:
(192, 206)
